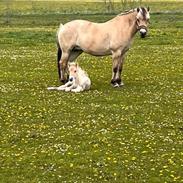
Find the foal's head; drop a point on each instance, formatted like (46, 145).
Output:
(142, 20)
(73, 71)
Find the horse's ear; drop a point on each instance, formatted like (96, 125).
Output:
(138, 9)
(148, 9)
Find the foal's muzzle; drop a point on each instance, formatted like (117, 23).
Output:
(143, 32)
(71, 79)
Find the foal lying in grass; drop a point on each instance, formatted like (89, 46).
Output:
(78, 80)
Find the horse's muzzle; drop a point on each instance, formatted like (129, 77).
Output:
(143, 32)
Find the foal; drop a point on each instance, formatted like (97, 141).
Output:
(78, 80)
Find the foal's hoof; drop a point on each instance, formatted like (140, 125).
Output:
(67, 89)
(51, 88)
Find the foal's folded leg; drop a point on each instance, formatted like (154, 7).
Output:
(73, 86)
(78, 89)
(87, 84)
(63, 87)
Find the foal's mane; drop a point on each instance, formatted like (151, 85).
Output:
(127, 12)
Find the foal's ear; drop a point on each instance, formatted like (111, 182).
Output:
(148, 9)
(138, 9)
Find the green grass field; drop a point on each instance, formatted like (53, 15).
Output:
(132, 134)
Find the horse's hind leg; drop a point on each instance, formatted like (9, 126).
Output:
(59, 55)
(74, 54)
(68, 56)
(63, 66)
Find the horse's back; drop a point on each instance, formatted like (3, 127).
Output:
(91, 37)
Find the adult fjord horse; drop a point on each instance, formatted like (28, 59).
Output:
(99, 39)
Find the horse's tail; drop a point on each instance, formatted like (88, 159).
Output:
(59, 55)
(59, 51)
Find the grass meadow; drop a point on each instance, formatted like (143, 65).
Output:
(132, 134)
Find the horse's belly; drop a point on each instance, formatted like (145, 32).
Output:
(97, 49)
(98, 52)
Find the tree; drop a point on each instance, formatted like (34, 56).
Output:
(109, 4)
(7, 11)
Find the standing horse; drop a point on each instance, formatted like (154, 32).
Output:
(99, 39)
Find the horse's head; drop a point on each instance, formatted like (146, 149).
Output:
(142, 20)
(73, 69)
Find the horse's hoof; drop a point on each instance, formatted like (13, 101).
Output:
(121, 84)
(115, 85)
(63, 81)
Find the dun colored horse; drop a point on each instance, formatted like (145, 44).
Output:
(113, 37)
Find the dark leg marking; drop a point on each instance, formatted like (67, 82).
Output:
(118, 81)
(115, 70)
(113, 81)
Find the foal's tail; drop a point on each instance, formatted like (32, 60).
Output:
(59, 52)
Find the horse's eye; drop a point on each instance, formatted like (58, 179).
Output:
(75, 71)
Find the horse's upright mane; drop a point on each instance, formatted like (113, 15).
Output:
(127, 12)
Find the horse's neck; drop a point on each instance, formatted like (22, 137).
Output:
(130, 21)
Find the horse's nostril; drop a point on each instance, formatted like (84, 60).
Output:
(143, 35)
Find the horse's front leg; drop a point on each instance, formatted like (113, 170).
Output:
(116, 59)
(119, 71)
